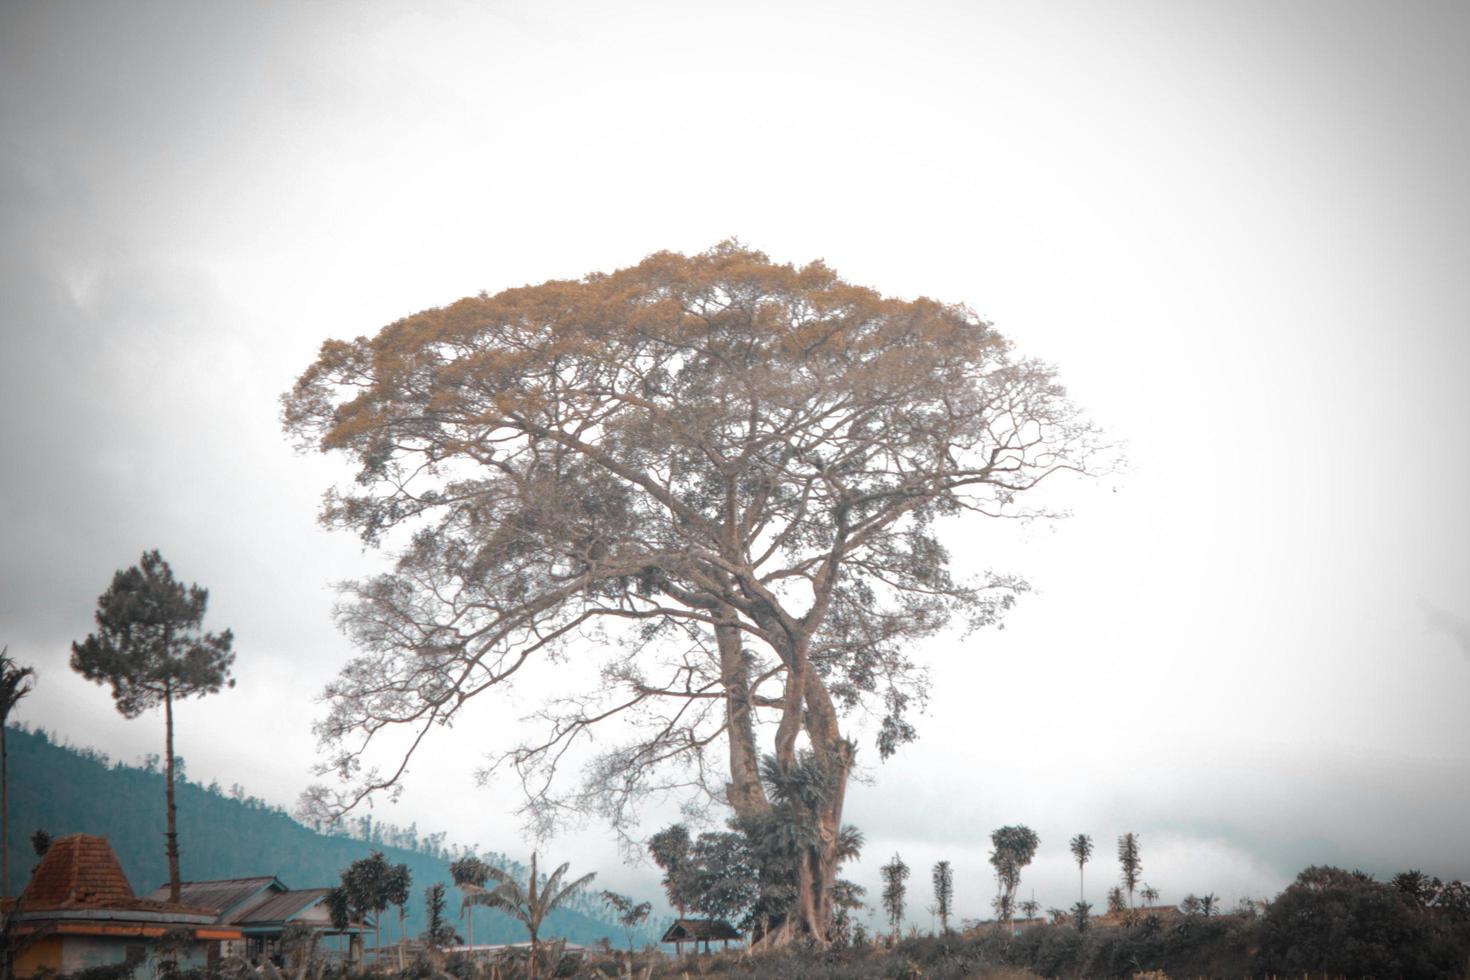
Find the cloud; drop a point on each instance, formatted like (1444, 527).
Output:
(1457, 628)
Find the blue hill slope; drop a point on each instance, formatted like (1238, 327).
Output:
(64, 790)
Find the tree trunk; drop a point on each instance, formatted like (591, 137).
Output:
(534, 949)
(401, 937)
(172, 835)
(744, 791)
(4, 815)
(808, 707)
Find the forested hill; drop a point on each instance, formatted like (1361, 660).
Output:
(65, 790)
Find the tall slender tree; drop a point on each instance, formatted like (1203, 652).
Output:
(895, 873)
(529, 903)
(15, 683)
(1012, 849)
(1129, 861)
(439, 933)
(943, 893)
(397, 886)
(150, 645)
(1081, 851)
(469, 870)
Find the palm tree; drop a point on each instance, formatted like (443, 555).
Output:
(1081, 850)
(15, 683)
(1128, 858)
(469, 870)
(529, 903)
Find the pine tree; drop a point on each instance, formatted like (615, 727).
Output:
(151, 647)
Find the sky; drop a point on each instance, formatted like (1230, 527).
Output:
(1240, 231)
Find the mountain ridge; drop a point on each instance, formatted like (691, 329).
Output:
(63, 789)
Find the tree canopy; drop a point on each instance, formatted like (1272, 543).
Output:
(726, 471)
(150, 645)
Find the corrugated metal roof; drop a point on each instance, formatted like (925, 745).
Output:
(222, 896)
(278, 908)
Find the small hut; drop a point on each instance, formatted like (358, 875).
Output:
(699, 930)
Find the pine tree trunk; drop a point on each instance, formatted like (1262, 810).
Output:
(4, 814)
(173, 831)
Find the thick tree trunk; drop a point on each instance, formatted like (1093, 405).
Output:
(172, 835)
(808, 707)
(744, 791)
(836, 755)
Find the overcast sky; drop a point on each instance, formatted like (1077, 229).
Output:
(1240, 230)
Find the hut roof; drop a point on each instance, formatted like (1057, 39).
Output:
(699, 930)
(80, 872)
(280, 908)
(225, 895)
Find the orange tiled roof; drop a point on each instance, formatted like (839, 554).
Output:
(82, 872)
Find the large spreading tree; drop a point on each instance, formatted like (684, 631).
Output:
(151, 648)
(716, 483)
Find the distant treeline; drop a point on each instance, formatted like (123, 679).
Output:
(63, 789)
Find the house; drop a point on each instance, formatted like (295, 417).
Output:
(261, 908)
(699, 930)
(78, 911)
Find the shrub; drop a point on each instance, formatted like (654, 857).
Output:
(1346, 923)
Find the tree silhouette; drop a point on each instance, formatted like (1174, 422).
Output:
(439, 933)
(1082, 916)
(670, 849)
(894, 874)
(1130, 863)
(469, 870)
(15, 683)
(397, 887)
(732, 466)
(151, 647)
(529, 903)
(1012, 848)
(371, 884)
(1081, 851)
(1149, 894)
(630, 915)
(943, 893)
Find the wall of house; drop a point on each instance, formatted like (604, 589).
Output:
(38, 955)
(68, 954)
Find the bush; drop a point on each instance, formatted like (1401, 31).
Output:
(1346, 923)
